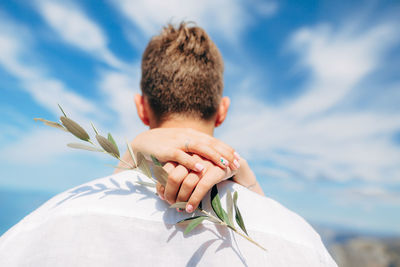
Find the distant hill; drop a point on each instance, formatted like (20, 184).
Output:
(351, 248)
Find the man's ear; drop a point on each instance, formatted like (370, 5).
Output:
(222, 111)
(141, 109)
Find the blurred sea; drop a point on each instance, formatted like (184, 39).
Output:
(349, 247)
(15, 205)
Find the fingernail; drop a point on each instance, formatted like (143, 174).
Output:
(161, 196)
(189, 208)
(236, 163)
(237, 156)
(199, 167)
(224, 161)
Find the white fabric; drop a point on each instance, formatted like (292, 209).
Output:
(113, 221)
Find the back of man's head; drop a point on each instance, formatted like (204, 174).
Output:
(182, 73)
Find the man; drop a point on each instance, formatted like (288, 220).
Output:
(113, 221)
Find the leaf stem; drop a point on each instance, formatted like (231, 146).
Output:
(123, 161)
(248, 238)
(232, 228)
(126, 163)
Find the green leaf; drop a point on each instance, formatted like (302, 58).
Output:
(74, 128)
(143, 165)
(111, 139)
(107, 146)
(51, 124)
(84, 147)
(62, 110)
(216, 205)
(229, 206)
(160, 174)
(194, 222)
(179, 205)
(191, 218)
(155, 161)
(238, 217)
(132, 154)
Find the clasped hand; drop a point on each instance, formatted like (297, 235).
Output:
(185, 185)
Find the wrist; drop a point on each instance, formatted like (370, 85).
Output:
(245, 175)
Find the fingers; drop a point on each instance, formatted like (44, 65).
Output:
(175, 179)
(210, 178)
(187, 160)
(187, 187)
(169, 166)
(213, 149)
(160, 191)
(221, 157)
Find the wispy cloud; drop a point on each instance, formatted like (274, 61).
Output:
(368, 197)
(77, 29)
(18, 59)
(226, 18)
(117, 88)
(313, 136)
(337, 61)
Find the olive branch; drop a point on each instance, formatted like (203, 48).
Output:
(156, 173)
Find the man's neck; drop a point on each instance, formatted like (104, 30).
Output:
(196, 124)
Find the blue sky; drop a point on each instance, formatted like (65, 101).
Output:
(315, 90)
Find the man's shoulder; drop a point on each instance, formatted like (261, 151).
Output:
(117, 213)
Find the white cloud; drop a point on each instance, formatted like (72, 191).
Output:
(312, 137)
(224, 17)
(367, 196)
(338, 61)
(17, 59)
(77, 29)
(36, 147)
(118, 88)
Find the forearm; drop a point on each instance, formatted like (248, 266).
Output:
(246, 178)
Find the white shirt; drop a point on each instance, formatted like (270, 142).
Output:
(113, 221)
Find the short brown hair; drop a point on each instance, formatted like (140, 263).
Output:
(182, 73)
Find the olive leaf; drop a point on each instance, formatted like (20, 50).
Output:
(51, 123)
(132, 154)
(194, 222)
(155, 161)
(217, 207)
(84, 147)
(229, 206)
(179, 205)
(160, 174)
(143, 165)
(238, 217)
(111, 139)
(74, 128)
(107, 146)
